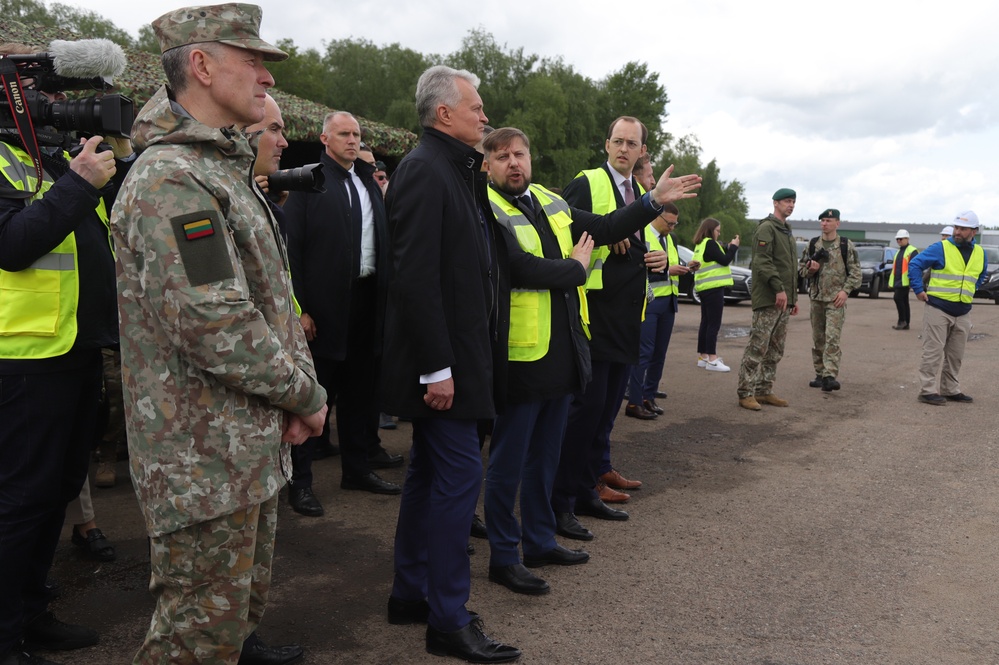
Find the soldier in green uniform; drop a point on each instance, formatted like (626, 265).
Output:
(215, 367)
(833, 268)
(775, 294)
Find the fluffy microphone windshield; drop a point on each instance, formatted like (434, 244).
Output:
(87, 57)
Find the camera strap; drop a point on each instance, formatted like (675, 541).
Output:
(22, 119)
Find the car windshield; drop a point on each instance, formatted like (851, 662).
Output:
(871, 254)
(991, 254)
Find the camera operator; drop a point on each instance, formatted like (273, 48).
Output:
(57, 311)
(833, 268)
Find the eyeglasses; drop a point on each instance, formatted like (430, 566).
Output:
(631, 145)
(381, 178)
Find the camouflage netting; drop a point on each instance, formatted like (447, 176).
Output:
(144, 76)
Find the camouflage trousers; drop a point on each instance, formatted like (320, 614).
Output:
(210, 581)
(827, 327)
(763, 352)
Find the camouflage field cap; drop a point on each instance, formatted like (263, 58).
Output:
(233, 23)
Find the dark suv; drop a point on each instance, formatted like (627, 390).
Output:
(872, 267)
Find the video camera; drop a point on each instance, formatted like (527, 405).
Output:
(89, 64)
(308, 178)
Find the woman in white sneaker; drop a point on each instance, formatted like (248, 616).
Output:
(710, 281)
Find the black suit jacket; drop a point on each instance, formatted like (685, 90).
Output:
(325, 257)
(616, 309)
(449, 300)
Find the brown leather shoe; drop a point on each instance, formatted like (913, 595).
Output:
(614, 479)
(750, 403)
(639, 411)
(608, 495)
(771, 399)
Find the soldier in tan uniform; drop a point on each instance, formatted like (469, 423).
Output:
(833, 268)
(216, 372)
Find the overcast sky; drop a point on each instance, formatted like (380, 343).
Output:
(886, 110)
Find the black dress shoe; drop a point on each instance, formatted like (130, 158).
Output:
(256, 652)
(639, 411)
(518, 579)
(557, 556)
(385, 460)
(829, 384)
(406, 612)
(959, 397)
(650, 405)
(95, 544)
(933, 398)
(324, 450)
(369, 483)
(47, 632)
(304, 502)
(600, 510)
(568, 526)
(471, 644)
(478, 527)
(816, 382)
(660, 394)
(901, 326)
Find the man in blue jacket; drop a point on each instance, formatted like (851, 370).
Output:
(957, 268)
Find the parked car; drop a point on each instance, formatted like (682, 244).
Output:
(990, 288)
(742, 280)
(872, 267)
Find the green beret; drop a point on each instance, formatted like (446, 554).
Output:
(233, 24)
(784, 193)
(829, 212)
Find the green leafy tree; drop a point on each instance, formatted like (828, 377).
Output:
(502, 71)
(301, 74)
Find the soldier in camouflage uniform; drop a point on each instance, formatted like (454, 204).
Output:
(775, 294)
(216, 371)
(834, 274)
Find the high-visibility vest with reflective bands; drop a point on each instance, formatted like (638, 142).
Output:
(905, 255)
(711, 274)
(956, 281)
(38, 304)
(531, 309)
(671, 285)
(602, 202)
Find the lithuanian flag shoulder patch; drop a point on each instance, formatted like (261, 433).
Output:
(201, 228)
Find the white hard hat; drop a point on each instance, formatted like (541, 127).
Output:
(967, 219)
(902, 233)
(947, 231)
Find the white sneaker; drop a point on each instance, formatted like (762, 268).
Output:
(701, 362)
(717, 366)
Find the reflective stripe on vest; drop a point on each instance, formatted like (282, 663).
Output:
(602, 202)
(531, 309)
(671, 285)
(711, 274)
(956, 281)
(906, 255)
(38, 304)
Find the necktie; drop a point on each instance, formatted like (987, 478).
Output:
(355, 223)
(629, 192)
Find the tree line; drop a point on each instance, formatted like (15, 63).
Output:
(564, 113)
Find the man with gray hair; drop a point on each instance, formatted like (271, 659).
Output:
(216, 371)
(444, 364)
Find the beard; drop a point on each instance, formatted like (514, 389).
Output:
(507, 188)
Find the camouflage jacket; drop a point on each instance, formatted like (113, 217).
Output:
(833, 276)
(212, 353)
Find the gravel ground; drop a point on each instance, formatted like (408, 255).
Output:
(852, 527)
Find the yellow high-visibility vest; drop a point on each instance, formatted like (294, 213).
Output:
(671, 286)
(905, 255)
(38, 305)
(711, 274)
(956, 281)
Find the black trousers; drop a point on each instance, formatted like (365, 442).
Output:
(902, 303)
(48, 423)
(353, 383)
